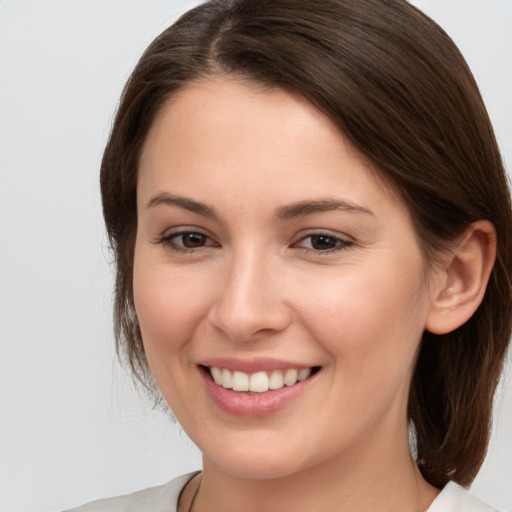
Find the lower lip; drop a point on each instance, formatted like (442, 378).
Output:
(253, 405)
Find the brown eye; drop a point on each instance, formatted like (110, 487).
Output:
(187, 241)
(323, 242)
(191, 240)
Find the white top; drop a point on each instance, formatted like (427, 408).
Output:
(164, 498)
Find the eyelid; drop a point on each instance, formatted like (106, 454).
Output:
(343, 242)
(168, 239)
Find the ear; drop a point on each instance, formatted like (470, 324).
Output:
(461, 281)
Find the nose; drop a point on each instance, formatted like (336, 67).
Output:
(250, 303)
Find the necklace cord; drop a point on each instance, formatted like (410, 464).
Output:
(196, 492)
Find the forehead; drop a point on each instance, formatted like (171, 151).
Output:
(206, 107)
(222, 131)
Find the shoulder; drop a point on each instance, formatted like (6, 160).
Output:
(454, 498)
(163, 498)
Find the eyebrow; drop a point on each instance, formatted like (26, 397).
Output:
(300, 209)
(304, 208)
(183, 202)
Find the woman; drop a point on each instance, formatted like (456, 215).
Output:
(311, 224)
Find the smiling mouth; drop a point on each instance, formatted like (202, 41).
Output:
(259, 382)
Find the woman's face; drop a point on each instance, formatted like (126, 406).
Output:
(266, 249)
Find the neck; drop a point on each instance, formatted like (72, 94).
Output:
(379, 477)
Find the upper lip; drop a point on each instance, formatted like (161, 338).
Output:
(252, 365)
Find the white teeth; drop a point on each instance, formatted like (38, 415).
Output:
(227, 379)
(290, 377)
(217, 375)
(276, 380)
(258, 382)
(304, 374)
(240, 381)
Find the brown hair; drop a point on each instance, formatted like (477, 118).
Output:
(399, 89)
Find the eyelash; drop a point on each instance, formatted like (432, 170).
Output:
(341, 244)
(169, 242)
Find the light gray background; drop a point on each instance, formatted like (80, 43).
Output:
(72, 428)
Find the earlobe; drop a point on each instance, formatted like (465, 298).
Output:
(461, 282)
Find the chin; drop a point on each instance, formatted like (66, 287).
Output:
(261, 456)
(251, 467)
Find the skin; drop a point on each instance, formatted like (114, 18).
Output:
(258, 285)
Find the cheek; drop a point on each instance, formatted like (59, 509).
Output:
(368, 319)
(169, 303)
(170, 307)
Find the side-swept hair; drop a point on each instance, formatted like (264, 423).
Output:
(400, 91)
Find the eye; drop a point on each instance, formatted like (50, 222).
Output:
(187, 241)
(322, 243)
(190, 240)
